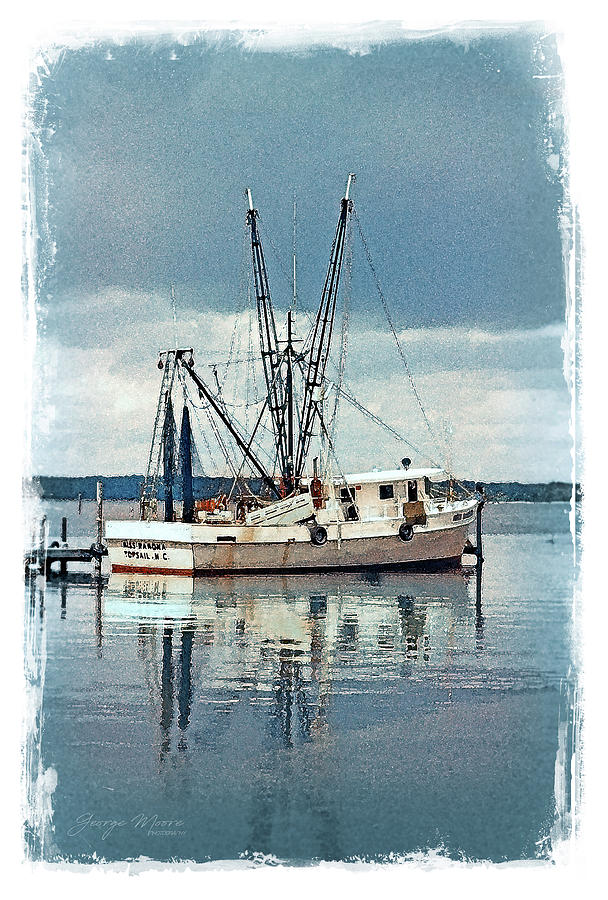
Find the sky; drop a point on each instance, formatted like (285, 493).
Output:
(141, 152)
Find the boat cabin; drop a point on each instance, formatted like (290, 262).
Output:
(394, 493)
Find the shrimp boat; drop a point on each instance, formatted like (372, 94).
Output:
(282, 511)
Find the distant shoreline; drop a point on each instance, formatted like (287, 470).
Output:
(128, 487)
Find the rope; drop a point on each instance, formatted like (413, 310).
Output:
(236, 423)
(345, 391)
(242, 465)
(245, 405)
(374, 418)
(393, 330)
(333, 453)
(206, 409)
(248, 371)
(258, 424)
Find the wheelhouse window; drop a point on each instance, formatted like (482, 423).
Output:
(347, 495)
(386, 491)
(412, 491)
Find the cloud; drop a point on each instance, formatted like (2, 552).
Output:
(437, 349)
(486, 424)
(145, 151)
(498, 404)
(146, 158)
(121, 317)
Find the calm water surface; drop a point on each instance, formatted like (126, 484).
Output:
(307, 718)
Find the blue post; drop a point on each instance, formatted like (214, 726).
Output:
(185, 458)
(63, 565)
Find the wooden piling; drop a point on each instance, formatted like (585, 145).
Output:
(98, 615)
(99, 528)
(63, 564)
(41, 556)
(480, 505)
(479, 541)
(478, 584)
(479, 555)
(41, 560)
(32, 557)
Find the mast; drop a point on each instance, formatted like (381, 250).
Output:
(295, 292)
(289, 399)
(272, 358)
(321, 336)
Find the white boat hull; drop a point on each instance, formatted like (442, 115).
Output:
(181, 549)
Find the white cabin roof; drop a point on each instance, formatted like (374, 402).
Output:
(388, 475)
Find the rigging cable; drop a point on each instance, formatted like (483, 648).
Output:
(201, 429)
(249, 443)
(207, 408)
(374, 418)
(393, 330)
(339, 369)
(152, 474)
(257, 425)
(234, 337)
(213, 428)
(333, 451)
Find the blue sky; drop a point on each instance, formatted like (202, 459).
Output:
(146, 149)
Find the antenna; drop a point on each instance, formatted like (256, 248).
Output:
(295, 293)
(351, 180)
(174, 316)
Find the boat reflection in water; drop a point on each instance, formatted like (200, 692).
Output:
(287, 644)
(305, 718)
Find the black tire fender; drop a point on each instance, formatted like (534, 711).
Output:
(406, 532)
(318, 535)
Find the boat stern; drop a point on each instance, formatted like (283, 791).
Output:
(150, 547)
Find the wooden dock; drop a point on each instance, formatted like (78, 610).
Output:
(43, 556)
(62, 555)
